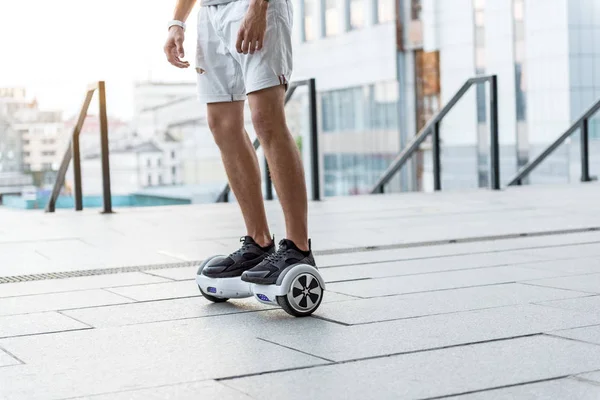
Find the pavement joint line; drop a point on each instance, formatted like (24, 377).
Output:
(45, 333)
(75, 319)
(330, 320)
(532, 261)
(92, 396)
(142, 268)
(580, 378)
(518, 264)
(470, 310)
(164, 277)
(296, 350)
(553, 287)
(172, 319)
(449, 396)
(12, 356)
(434, 290)
(572, 339)
(120, 295)
(228, 378)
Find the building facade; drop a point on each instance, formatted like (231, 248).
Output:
(384, 68)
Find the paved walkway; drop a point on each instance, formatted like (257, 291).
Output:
(477, 295)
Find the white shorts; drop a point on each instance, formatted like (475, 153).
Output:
(224, 74)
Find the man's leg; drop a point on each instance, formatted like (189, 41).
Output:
(226, 122)
(282, 154)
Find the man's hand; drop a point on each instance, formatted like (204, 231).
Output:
(174, 47)
(252, 31)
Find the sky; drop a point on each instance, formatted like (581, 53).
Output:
(55, 48)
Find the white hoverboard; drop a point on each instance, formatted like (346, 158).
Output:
(298, 290)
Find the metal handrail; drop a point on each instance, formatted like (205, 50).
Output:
(581, 123)
(433, 128)
(73, 153)
(314, 144)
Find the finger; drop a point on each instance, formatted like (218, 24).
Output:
(179, 48)
(246, 45)
(174, 60)
(238, 43)
(259, 44)
(252, 46)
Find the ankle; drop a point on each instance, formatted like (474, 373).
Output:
(264, 240)
(301, 244)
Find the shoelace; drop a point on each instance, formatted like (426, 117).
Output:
(242, 249)
(279, 255)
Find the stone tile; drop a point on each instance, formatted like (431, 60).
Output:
(177, 274)
(590, 334)
(564, 389)
(575, 266)
(411, 267)
(332, 297)
(6, 359)
(141, 356)
(419, 253)
(79, 283)
(429, 374)
(31, 324)
(592, 376)
(584, 283)
(184, 391)
(440, 302)
(437, 281)
(358, 341)
(588, 303)
(166, 310)
(58, 301)
(579, 251)
(159, 291)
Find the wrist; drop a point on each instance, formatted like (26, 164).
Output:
(176, 23)
(260, 5)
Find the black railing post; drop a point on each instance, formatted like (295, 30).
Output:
(77, 172)
(494, 139)
(106, 193)
(437, 169)
(314, 140)
(585, 151)
(268, 182)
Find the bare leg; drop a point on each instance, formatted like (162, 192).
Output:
(226, 122)
(284, 160)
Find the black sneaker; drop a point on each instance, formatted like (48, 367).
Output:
(248, 256)
(267, 272)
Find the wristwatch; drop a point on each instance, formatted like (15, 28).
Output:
(176, 23)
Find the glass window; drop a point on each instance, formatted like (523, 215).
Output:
(309, 20)
(172, 154)
(149, 180)
(148, 163)
(332, 18)
(357, 14)
(385, 11)
(159, 162)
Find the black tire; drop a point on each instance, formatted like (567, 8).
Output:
(285, 305)
(212, 298)
(284, 301)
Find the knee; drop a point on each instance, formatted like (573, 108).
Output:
(223, 130)
(265, 124)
